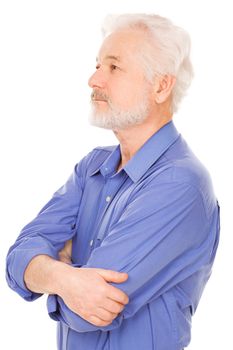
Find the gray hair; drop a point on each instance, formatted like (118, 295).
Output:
(166, 52)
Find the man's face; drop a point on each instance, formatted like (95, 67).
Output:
(121, 96)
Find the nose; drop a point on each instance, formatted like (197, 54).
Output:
(97, 79)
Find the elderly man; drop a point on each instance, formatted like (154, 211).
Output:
(126, 246)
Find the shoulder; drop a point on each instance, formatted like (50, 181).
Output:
(179, 174)
(186, 168)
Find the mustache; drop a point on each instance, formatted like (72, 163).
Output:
(97, 95)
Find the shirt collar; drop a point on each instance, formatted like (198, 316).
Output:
(108, 167)
(147, 155)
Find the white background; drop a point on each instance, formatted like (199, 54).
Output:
(48, 51)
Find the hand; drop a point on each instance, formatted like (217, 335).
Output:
(66, 252)
(86, 292)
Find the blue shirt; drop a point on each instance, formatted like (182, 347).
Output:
(156, 219)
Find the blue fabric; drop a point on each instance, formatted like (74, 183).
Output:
(156, 219)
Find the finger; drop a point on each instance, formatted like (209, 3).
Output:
(68, 247)
(96, 321)
(113, 276)
(113, 306)
(117, 295)
(105, 315)
(66, 252)
(64, 258)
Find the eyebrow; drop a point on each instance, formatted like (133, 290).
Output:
(110, 57)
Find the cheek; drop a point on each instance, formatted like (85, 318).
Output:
(127, 94)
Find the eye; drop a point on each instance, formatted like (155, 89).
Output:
(113, 67)
(97, 66)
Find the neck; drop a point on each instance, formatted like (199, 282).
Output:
(132, 138)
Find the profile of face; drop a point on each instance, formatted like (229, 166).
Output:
(121, 95)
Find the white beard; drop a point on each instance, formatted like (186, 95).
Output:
(117, 119)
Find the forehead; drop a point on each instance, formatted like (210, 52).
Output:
(122, 44)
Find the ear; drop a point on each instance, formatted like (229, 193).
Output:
(163, 87)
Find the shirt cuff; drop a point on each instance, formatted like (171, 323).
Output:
(18, 262)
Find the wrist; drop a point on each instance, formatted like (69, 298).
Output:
(61, 271)
(44, 274)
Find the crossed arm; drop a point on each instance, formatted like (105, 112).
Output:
(156, 247)
(86, 292)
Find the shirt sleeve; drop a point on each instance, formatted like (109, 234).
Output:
(162, 238)
(47, 233)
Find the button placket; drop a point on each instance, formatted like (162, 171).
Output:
(111, 186)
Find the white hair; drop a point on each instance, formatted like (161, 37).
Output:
(167, 50)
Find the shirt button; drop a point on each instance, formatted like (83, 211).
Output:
(108, 198)
(91, 243)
